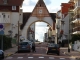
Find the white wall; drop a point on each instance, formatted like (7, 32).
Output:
(21, 16)
(65, 27)
(5, 17)
(48, 20)
(13, 24)
(76, 46)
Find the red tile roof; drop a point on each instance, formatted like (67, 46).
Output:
(65, 7)
(12, 2)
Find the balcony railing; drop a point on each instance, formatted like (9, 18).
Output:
(76, 29)
(77, 16)
(77, 4)
(72, 7)
(76, 25)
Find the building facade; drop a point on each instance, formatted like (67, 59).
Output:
(58, 26)
(10, 14)
(75, 22)
(63, 19)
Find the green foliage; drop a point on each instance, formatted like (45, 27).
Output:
(65, 41)
(75, 37)
(13, 40)
(6, 42)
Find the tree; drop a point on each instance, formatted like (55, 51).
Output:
(75, 37)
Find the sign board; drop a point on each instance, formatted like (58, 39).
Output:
(1, 29)
(1, 32)
(1, 26)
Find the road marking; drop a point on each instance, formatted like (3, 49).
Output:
(9, 57)
(62, 58)
(51, 57)
(20, 57)
(33, 57)
(30, 57)
(41, 57)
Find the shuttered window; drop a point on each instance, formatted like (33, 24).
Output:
(13, 7)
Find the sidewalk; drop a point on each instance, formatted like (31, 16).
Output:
(10, 51)
(74, 54)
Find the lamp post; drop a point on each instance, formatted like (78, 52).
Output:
(69, 34)
(12, 26)
(18, 32)
(18, 36)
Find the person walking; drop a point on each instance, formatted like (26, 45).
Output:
(33, 47)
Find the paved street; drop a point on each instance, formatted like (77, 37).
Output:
(40, 54)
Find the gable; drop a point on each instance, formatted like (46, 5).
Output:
(40, 10)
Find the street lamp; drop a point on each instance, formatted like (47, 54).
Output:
(18, 29)
(18, 36)
(69, 33)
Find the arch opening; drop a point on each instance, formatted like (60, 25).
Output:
(40, 31)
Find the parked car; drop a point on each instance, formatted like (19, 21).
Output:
(1, 54)
(28, 42)
(24, 46)
(53, 48)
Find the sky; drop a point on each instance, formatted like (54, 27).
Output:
(52, 5)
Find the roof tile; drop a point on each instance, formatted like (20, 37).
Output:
(12, 2)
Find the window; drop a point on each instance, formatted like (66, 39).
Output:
(39, 5)
(5, 1)
(8, 16)
(78, 2)
(13, 7)
(3, 15)
(24, 43)
(75, 4)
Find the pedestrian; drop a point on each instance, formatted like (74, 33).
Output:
(33, 47)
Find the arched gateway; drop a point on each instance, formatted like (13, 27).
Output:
(39, 13)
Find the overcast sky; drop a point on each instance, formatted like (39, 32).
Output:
(52, 5)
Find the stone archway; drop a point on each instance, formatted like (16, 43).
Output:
(34, 19)
(39, 13)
